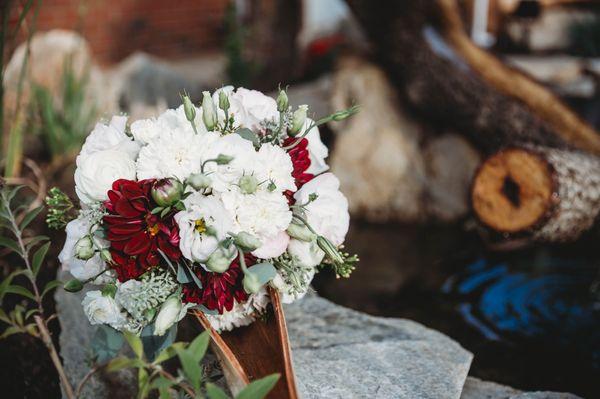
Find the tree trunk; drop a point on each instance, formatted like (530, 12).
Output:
(538, 193)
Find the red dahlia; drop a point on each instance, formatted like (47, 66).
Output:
(219, 290)
(301, 162)
(135, 234)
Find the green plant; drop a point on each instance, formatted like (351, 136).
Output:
(63, 125)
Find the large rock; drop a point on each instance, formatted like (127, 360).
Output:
(477, 389)
(341, 353)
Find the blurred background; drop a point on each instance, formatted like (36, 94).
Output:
(451, 233)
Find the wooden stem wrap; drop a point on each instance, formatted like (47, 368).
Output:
(255, 351)
(542, 193)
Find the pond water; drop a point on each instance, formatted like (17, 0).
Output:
(531, 317)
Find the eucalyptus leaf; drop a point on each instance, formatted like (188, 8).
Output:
(182, 275)
(265, 272)
(107, 342)
(154, 344)
(206, 310)
(249, 135)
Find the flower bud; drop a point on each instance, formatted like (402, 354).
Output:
(198, 181)
(218, 261)
(282, 101)
(105, 255)
(298, 120)
(246, 241)
(109, 290)
(251, 283)
(188, 108)
(73, 285)
(166, 192)
(209, 113)
(84, 248)
(223, 159)
(223, 100)
(248, 184)
(330, 250)
(168, 315)
(300, 232)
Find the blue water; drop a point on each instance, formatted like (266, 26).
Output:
(543, 298)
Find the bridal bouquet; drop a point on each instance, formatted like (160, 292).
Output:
(202, 208)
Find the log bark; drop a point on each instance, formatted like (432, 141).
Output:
(441, 80)
(538, 193)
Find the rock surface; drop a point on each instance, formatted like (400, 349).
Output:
(477, 389)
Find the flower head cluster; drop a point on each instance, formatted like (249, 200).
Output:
(205, 206)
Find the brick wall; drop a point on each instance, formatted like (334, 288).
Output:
(116, 28)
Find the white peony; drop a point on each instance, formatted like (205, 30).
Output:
(264, 214)
(242, 314)
(249, 107)
(109, 137)
(174, 121)
(174, 154)
(101, 309)
(226, 177)
(275, 165)
(327, 215)
(202, 212)
(317, 151)
(273, 247)
(97, 171)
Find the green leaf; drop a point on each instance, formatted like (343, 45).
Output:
(169, 352)
(191, 368)
(156, 210)
(265, 272)
(165, 212)
(10, 331)
(30, 313)
(120, 363)
(13, 193)
(50, 286)
(214, 392)
(4, 317)
(135, 343)
(30, 216)
(38, 258)
(107, 342)
(19, 290)
(6, 282)
(154, 344)
(143, 383)
(34, 240)
(10, 244)
(259, 389)
(161, 382)
(182, 275)
(199, 345)
(249, 135)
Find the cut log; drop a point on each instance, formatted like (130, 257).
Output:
(540, 193)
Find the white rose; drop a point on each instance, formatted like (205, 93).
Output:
(96, 173)
(273, 247)
(171, 311)
(109, 137)
(101, 309)
(317, 151)
(202, 212)
(251, 107)
(275, 165)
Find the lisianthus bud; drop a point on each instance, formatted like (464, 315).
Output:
(282, 101)
(223, 100)
(166, 192)
(223, 159)
(330, 250)
(251, 283)
(198, 181)
(218, 261)
(188, 108)
(298, 120)
(109, 290)
(84, 248)
(300, 232)
(248, 184)
(246, 241)
(105, 255)
(168, 315)
(73, 285)
(209, 113)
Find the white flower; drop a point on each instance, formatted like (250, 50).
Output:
(101, 309)
(81, 269)
(264, 214)
(109, 137)
(275, 165)
(288, 293)
(96, 173)
(273, 247)
(327, 215)
(174, 153)
(249, 107)
(225, 177)
(317, 151)
(200, 213)
(170, 313)
(242, 314)
(173, 121)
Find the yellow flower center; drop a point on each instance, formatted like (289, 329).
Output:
(153, 230)
(200, 226)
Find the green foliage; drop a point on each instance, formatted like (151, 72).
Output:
(63, 124)
(60, 209)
